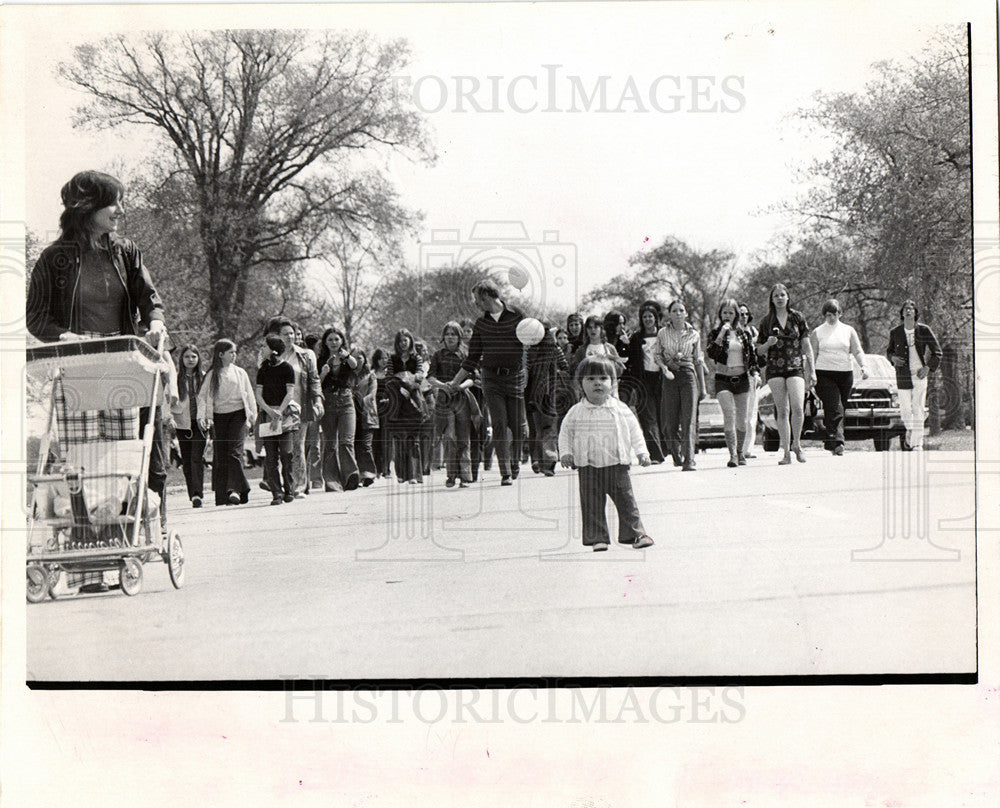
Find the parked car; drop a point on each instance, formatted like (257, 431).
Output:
(872, 409)
(711, 432)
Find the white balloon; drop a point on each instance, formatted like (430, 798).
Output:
(530, 331)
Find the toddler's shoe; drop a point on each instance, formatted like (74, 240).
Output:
(643, 541)
(601, 546)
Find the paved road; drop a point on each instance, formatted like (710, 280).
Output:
(860, 564)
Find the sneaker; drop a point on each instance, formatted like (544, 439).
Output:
(643, 541)
(449, 483)
(505, 480)
(195, 502)
(277, 500)
(288, 498)
(600, 547)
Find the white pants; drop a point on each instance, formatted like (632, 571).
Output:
(911, 406)
(751, 419)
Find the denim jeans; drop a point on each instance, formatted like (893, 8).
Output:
(279, 449)
(679, 414)
(339, 419)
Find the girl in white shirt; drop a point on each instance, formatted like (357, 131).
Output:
(599, 437)
(227, 405)
(833, 344)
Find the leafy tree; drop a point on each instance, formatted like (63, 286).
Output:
(893, 200)
(671, 271)
(268, 132)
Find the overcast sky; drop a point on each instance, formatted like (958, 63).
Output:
(703, 145)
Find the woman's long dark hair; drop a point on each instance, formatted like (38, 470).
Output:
(324, 352)
(218, 350)
(592, 321)
(196, 374)
(612, 320)
(772, 312)
(403, 332)
(380, 359)
(87, 192)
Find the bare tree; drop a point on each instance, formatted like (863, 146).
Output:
(268, 131)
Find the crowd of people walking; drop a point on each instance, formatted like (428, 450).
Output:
(329, 419)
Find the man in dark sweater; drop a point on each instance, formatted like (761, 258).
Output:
(495, 348)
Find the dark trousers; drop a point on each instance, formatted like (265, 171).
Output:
(834, 388)
(339, 421)
(192, 442)
(364, 446)
(506, 406)
(407, 458)
(480, 449)
(279, 449)
(382, 450)
(543, 436)
(454, 425)
(230, 429)
(156, 478)
(647, 407)
(614, 482)
(679, 413)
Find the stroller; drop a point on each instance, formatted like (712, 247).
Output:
(91, 515)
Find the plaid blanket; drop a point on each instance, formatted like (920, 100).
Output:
(88, 426)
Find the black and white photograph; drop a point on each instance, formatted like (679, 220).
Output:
(555, 375)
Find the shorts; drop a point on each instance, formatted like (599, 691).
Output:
(734, 384)
(784, 373)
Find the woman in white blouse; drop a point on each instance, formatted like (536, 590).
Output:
(833, 344)
(227, 405)
(682, 364)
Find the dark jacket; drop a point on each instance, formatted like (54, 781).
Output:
(310, 391)
(635, 364)
(496, 350)
(545, 362)
(927, 347)
(52, 305)
(720, 353)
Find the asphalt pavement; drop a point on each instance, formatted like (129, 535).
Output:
(862, 564)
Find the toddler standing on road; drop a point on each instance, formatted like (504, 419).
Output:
(599, 437)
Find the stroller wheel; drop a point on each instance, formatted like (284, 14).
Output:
(37, 584)
(175, 559)
(131, 576)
